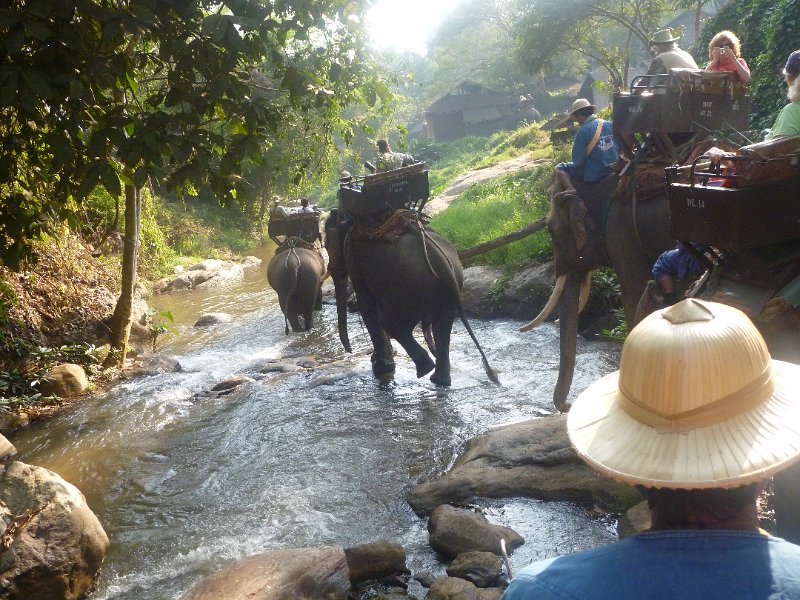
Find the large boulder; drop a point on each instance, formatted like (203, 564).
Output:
(453, 588)
(532, 459)
(489, 293)
(375, 560)
(484, 569)
(296, 574)
(52, 544)
(213, 318)
(64, 381)
(454, 531)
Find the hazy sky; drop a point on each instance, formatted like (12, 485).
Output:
(405, 24)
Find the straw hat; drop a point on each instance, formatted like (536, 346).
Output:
(697, 403)
(579, 104)
(663, 37)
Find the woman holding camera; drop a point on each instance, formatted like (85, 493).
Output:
(724, 50)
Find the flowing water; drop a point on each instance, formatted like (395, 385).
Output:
(184, 483)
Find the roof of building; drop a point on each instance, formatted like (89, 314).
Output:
(469, 95)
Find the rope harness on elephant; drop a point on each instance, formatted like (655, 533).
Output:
(295, 242)
(391, 230)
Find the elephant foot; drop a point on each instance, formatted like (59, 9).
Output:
(382, 367)
(442, 379)
(425, 366)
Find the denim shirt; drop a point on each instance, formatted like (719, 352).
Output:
(596, 165)
(680, 565)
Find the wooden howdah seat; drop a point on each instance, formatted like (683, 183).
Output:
(750, 199)
(301, 225)
(686, 100)
(382, 193)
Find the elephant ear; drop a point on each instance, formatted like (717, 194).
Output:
(577, 220)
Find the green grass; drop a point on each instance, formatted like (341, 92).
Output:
(495, 208)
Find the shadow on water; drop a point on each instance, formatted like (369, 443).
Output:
(184, 483)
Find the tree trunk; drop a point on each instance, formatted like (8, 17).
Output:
(121, 321)
(503, 240)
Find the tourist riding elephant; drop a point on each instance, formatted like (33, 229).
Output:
(295, 273)
(402, 277)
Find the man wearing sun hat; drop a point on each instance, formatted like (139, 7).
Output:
(699, 416)
(594, 150)
(668, 55)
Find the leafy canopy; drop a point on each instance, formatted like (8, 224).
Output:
(180, 93)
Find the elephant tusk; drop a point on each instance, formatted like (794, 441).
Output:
(324, 277)
(586, 287)
(551, 304)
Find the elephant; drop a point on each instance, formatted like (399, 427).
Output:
(295, 273)
(412, 277)
(614, 224)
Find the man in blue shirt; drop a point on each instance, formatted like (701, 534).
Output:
(698, 416)
(594, 151)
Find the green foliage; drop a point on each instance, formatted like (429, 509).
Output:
(498, 207)
(606, 31)
(183, 95)
(620, 331)
(158, 323)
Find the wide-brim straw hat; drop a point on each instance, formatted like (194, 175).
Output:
(579, 104)
(697, 403)
(664, 36)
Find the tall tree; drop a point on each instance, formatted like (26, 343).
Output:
(174, 92)
(608, 32)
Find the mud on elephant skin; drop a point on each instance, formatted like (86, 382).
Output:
(295, 273)
(402, 279)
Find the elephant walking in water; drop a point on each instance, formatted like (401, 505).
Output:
(295, 273)
(605, 225)
(404, 276)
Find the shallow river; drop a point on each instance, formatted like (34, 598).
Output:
(185, 484)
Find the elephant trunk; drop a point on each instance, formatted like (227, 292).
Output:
(342, 294)
(568, 321)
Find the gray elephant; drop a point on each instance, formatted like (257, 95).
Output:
(295, 273)
(413, 277)
(607, 224)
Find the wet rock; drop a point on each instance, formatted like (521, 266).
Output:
(154, 364)
(210, 264)
(160, 286)
(297, 573)
(277, 367)
(425, 579)
(230, 383)
(7, 451)
(375, 560)
(488, 293)
(249, 262)
(214, 318)
(221, 277)
(56, 544)
(454, 531)
(532, 459)
(307, 362)
(453, 588)
(10, 420)
(64, 381)
(484, 569)
(635, 520)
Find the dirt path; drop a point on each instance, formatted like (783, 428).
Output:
(463, 182)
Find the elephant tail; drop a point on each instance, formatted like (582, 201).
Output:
(449, 277)
(491, 372)
(292, 269)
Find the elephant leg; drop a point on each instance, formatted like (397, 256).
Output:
(442, 328)
(418, 354)
(382, 354)
(318, 299)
